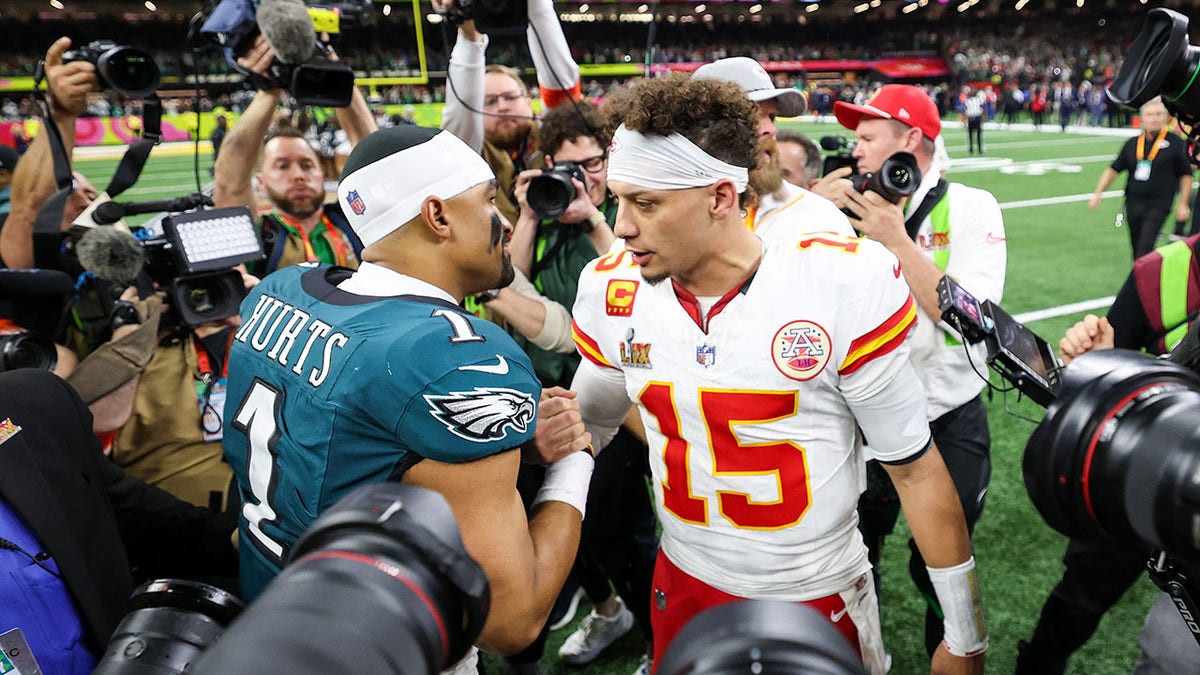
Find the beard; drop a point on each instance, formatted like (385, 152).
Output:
(507, 274)
(510, 137)
(301, 207)
(767, 177)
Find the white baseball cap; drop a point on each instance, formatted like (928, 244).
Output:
(749, 75)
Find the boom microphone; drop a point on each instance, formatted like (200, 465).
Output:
(111, 254)
(288, 28)
(110, 212)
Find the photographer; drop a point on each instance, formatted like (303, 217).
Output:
(489, 107)
(300, 226)
(1153, 312)
(68, 86)
(78, 533)
(943, 229)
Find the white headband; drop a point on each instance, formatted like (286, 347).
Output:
(667, 163)
(383, 195)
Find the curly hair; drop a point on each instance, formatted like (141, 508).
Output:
(568, 122)
(715, 115)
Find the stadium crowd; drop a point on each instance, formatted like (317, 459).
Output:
(473, 310)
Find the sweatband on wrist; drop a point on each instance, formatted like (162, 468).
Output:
(957, 590)
(567, 481)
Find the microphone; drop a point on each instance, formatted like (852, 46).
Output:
(27, 284)
(110, 212)
(833, 142)
(111, 254)
(288, 28)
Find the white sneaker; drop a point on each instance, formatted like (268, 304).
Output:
(643, 666)
(594, 635)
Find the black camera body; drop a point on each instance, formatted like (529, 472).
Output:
(27, 350)
(1014, 351)
(552, 192)
(315, 82)
(490, 16)
(379, 583)
(842, 153)
(192, 259)
(898, 177)
(1162, 62)
(123, 69)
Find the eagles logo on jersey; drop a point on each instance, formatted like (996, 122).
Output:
(485, 413)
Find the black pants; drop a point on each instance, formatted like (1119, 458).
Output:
(1144, 225)
(975, 134)
(618, 543)
(1095, 578)
(964, 441)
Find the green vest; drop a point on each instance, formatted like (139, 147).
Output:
(560, 253)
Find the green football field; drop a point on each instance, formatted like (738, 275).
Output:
(1059, 253)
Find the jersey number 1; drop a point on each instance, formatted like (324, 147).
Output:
(256, 419)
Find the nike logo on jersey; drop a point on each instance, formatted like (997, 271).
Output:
(993, 239)
(837, 616)
(500, 368)
(896, 269)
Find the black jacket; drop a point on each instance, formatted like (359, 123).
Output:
(82, 507)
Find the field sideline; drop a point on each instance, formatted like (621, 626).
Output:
(1063, 261)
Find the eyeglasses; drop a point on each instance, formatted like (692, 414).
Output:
(594, 164)
(508, 97)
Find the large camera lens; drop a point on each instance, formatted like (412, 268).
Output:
(27, 350)
(1160, 62)
(1116, 457)
(170, 623)
(552, 192)
(130, 71)
(759, 636)
(209, 296)
(898, 178)
(380, 583)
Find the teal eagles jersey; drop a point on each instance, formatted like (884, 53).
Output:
(329, 390)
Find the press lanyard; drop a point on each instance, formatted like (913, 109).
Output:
(1141, 145)
(310, 255)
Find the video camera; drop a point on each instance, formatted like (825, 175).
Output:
(123, 69)
(842, 153)
(290, 27)
(1163, 62)
(1115, 458)
(490, 16)
(190, 257)
(380, 583)
(551, 192)
(1013, 351)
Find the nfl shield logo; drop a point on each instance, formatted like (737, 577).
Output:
(706, 355)
(356, 202)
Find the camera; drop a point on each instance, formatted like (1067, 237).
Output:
(193, 257)
(33, 300)
(1013, 351)
(123, 69)
(760, 636)
(842, 150)
(27, 350)
(1162, 61)
(490, 16)
(380, 583)
(552, 192)
(898, 177)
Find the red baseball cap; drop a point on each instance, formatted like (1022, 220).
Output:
(901, 102)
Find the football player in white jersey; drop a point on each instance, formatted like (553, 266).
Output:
(783, 211)
(752, 365)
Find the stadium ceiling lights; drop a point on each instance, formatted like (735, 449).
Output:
(1021, 4)
(812, 8)
(700, 8)
(56, 4)
(150, 6)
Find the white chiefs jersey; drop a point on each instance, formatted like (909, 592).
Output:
(751, 419)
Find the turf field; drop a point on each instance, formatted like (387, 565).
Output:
(1059, 253)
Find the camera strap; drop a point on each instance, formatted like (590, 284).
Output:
(135, 157)
(913, 222)
(47, 227)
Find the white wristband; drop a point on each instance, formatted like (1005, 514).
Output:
(567, 480)
(958, 593)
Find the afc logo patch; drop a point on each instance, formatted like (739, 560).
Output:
(357, 205)
(618, 299)
(800, 350)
